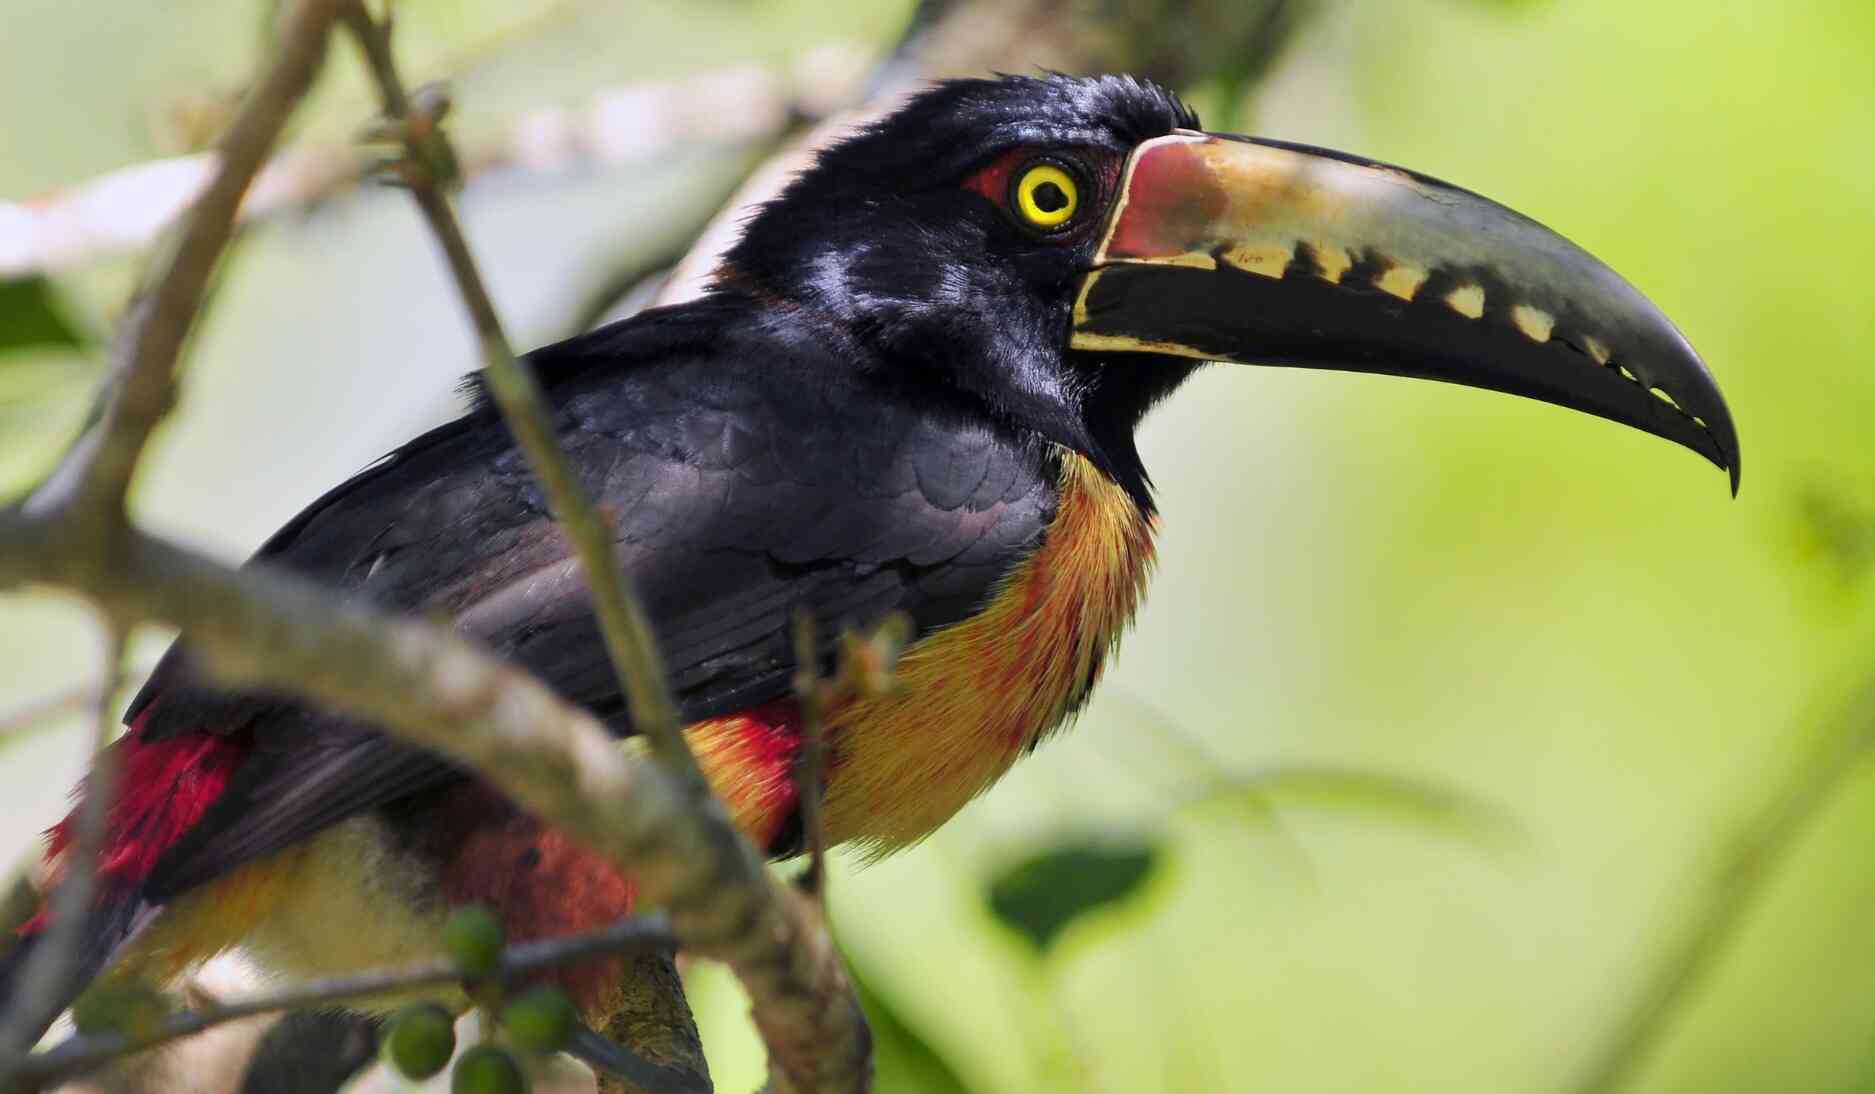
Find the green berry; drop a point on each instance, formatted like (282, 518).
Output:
(487, 1069)
(541, 1021)
(420, 1040)
(473, 938)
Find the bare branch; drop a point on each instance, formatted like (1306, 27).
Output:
(93, 478)
(863, 669)
(654, 1021)
(52, 963)
(82, 1053)
(805, 1008)
(255, 627)
(524, 406)
(813, 696)
(124, 210)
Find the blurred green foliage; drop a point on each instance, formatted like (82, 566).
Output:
(1043, 893)
(1492, 601)
(30, 317)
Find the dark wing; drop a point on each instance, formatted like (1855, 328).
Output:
(742, 489)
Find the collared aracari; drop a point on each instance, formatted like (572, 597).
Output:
(913, 388)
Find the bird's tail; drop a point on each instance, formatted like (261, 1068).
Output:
(164, 786)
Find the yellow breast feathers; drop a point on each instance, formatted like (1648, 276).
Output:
(976, 695)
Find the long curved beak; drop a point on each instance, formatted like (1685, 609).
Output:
(1262, 252)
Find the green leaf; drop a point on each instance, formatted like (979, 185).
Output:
(1041, 895)
(31, 317)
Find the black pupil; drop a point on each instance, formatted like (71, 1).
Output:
(1050, 198)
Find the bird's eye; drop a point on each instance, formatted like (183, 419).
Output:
(1046, 197)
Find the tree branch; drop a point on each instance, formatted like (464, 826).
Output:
(524, 407)
(50, 965)
(94, 477)
(256, 628)
(82, 1053)
(126, 209)
(82, 504)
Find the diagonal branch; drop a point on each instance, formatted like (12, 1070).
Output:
(524, 406)
(53, 963)
(81, 506)
(258, 628)
(93, 478)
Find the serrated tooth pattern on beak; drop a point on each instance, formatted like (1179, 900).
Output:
(1401, 281)
(1536, 323)
(1331, 262)
(1467, 300)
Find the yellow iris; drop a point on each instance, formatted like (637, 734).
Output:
(1047, 196)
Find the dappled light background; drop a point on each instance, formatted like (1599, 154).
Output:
(1451, 720)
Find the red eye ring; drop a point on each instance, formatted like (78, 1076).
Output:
(998, 180)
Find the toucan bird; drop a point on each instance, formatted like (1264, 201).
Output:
(913, 388)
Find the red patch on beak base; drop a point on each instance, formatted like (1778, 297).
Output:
(1172, 200)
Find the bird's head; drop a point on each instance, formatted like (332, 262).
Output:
(1066, 250)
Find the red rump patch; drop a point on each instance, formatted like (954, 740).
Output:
(749, 759)
(163, 788)
(538, 882)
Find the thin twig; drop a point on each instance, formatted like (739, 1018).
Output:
(863, 669)
(94, 477)
(258, 628)
(84, 498)
(525, 408)
(82, 1052)
(53, 961)
(805, 1009)
(813, 695)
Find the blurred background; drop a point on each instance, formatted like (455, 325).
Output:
(1464, 743)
